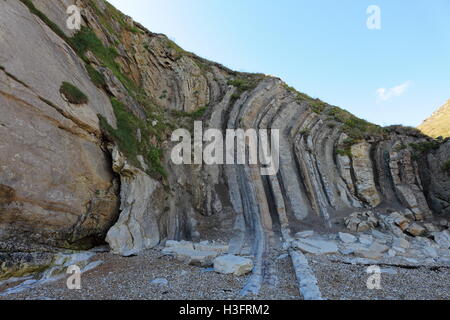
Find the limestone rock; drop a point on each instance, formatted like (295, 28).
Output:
(58, 187)
(307, 281)
(361, 221)
(418, 216)
(416, 230)
(366, 239)
(442, 239)
(347, 238)
(351, 248)
(400, 220)
(375, 251)
(193, 257)
(63, 187)
(316, 247)
(379, 247)
(160, 282)
(304, 234)
(444, 223)
(381, 237)
(431, 227)
(431, 252)
(230, 264)
(369, 254)
(362, 166)
(136, 229)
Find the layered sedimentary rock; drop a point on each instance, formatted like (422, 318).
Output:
(56, 182)
(136, 229)
(61, 186)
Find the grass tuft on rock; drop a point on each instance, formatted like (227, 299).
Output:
(357, 129)
(243, 84)
(344, 152)
(86, 40)
(425, 147)
(73, 94)
(97, 78)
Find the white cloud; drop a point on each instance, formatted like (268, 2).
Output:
(384, 94)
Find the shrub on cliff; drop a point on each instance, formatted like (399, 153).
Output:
(73, 94)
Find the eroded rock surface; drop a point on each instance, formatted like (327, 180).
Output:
(231, 264)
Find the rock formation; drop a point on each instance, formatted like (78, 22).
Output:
(75, 175)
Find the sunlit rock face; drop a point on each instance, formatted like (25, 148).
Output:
(438, 124)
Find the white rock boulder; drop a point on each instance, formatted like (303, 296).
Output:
(401, 243)
(193, 257)
(442, 239)
(416, 230)
(215, 247)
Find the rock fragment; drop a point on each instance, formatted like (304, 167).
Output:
(231, 264)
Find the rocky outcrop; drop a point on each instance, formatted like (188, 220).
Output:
(60, 188)
(137, 228)
(363, 168)
(57, 185)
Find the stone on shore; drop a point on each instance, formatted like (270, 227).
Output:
(416, 230)
(230, 264)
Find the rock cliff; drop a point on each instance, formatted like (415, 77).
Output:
(74, 175)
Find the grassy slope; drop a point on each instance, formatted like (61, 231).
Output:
(439, 123)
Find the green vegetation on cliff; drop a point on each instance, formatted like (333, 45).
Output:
(73, 94)
(132, 136)
(44, 18)
(244, 83)
(357, 129)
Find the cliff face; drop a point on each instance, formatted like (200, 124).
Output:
(438, 125)
(68, 170)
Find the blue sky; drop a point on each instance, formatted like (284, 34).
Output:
(397, 75)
